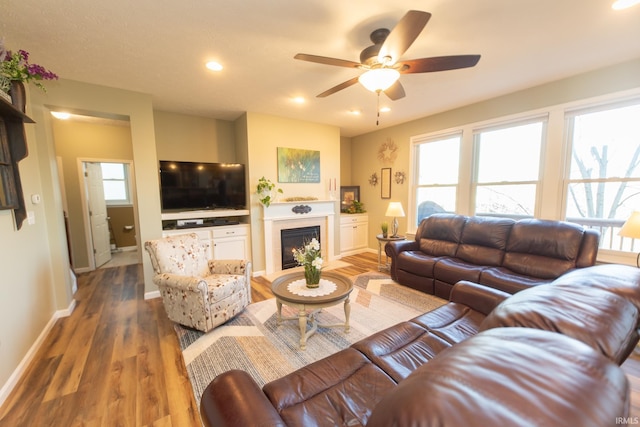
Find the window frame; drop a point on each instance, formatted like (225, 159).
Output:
(416, 142)
(506, 124)
(608, 254)
(128, 201)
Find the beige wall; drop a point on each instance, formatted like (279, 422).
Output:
(365, 147)
(264, 134)
(82, 141)
(345, 161)
(188, 138)
(121, 218)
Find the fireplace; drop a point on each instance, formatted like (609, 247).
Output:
(292, 238)
(290, 215)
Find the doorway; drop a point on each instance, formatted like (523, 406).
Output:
(83, 143)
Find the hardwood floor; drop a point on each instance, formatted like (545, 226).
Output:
(116, 360)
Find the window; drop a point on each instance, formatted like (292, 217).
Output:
(436, 178)
(603, 185)
(507, 169)
(115, 180)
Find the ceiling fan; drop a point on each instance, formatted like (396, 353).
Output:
(380, 60)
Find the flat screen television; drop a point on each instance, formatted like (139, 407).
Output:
(188, 186)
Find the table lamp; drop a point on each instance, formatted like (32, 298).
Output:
(631, 228)
(395, 210)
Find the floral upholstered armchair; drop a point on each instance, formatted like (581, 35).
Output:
(198, 292)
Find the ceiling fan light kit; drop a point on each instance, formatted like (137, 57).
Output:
(379, 79)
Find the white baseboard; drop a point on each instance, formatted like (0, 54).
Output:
(152, 295)
(8, 387)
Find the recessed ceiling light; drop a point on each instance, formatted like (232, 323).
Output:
(60, 115)
(355, 112)
(385, 109)
(624, 4)
(298, 100)
(214, 66)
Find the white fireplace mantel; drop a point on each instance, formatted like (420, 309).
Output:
(286, 215)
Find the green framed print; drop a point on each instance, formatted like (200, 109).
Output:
(296, 165)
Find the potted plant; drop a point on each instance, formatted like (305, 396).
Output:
(356, 207)
(265, 191)
(385, 229)
(15, 71)
(310, 257)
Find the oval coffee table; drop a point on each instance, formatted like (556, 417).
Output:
(308, 306)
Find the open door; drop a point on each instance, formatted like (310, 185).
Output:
(97, 214)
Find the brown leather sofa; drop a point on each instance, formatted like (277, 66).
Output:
(548, 355)
(499, 252)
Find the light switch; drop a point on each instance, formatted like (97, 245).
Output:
(31, 217)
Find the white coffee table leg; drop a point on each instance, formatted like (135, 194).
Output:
(302, 320)
(347, 312)
(279, 312)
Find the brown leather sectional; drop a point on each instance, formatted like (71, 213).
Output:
(499, 252)
(548, 355)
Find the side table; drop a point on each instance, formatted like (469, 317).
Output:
(384, 240)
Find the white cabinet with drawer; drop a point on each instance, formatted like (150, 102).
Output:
(354, 233)
(231, 242)
(224, 242)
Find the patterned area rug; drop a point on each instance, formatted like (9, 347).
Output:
(254, 343)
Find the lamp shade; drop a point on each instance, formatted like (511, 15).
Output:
(395, 209)
(631, 227)
(379, 79)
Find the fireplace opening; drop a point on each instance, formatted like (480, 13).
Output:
(292, 238)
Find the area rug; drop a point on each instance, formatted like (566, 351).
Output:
(254, 343)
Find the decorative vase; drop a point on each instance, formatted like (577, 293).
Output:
(311, 276)
(18, 95)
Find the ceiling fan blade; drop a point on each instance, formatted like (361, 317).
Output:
(395, 91)
(437, 63)
(403, 35)
(328, 61)
(338, 88)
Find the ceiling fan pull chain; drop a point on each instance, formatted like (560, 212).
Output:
(378, 108)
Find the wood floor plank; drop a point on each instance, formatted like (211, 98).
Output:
(152, 391)
(120, 406)
(126, 362)
(67, 377)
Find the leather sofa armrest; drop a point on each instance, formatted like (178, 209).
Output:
(393, 249)
(234, 399)
(477, 297)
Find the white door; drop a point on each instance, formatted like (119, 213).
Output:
(97, 214)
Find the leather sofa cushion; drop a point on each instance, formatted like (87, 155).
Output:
(452, 270)
(575, 311)
(452, 322)
(484, 240)
(400, 349)
(541, 248)
(505, 377)
(508, 281)
(417, 262)
(341, 389)
(440, 234)
(623, 280)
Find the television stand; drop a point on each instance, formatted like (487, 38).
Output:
(224, 231)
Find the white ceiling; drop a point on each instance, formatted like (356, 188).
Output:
(159, 47)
